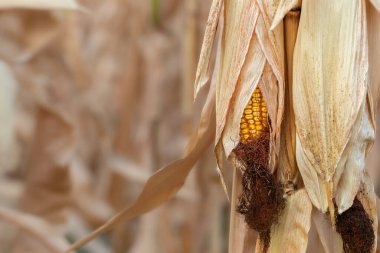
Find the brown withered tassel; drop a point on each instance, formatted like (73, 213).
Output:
(262, 197)
(356, 229)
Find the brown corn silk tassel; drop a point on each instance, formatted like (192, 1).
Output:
(261, 198)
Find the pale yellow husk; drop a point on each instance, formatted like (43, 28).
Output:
(291, 233)
(258, 62)
(351, 166)
(330, 83)
(40, 4)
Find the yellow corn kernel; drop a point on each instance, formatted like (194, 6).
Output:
(254, 120)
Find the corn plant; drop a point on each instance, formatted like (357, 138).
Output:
(291, 105)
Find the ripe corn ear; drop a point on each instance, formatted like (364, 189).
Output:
(254, 121)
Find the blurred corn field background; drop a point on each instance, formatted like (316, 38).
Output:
(93, 100)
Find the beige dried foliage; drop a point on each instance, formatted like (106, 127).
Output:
(47, 184)
(9, 149)
(50, 239)
(167, 181)
(330, 83)
(40, 4)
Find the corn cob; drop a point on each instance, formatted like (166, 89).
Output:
(254, 120)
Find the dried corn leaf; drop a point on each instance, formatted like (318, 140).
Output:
(291, 232)
(166, 182)
(40, 4)
(36, 227)
(203, 71)
(330, 70)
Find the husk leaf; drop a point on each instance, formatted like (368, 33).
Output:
(166, 182)
(291, 232)
(330, 71)
(352, 163)
(242, 239)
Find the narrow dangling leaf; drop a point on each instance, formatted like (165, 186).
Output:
(166, 182)
(203, 72)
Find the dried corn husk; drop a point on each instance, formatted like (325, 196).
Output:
(373, 26)
(351, 166)
(40, 4)
(287, 158)
(263, 66)
(330, 83)
(291, 233)
(166, 182)
(241, 238)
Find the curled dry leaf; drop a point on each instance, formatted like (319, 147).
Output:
(36, 227)
(39, 4)
(166, 182)
(330, 83)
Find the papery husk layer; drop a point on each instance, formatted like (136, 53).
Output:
(330, 83)
(258, 62)
(291, 232)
